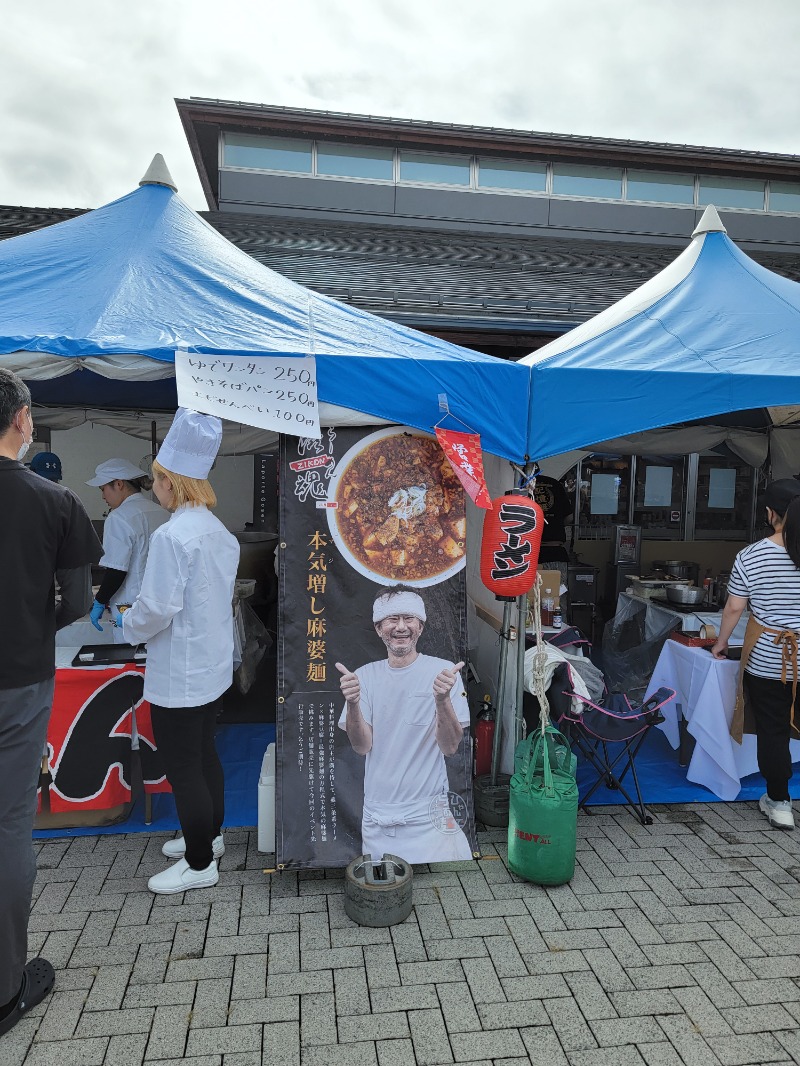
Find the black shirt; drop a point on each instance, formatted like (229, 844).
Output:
(43, 528)
(553, 499)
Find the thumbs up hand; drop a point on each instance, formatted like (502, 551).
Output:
(445, 680)
(349, 684)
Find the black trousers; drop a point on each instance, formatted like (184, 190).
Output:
(184, 737)
(24, 714)
(771, 702)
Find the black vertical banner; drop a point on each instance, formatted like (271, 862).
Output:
(372, 607)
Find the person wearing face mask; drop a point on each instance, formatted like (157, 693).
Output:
(46, 537)
(131, 521)
(184, 612)
(767, 576)
(404, 714)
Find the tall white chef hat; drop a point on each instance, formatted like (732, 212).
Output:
(191, 445)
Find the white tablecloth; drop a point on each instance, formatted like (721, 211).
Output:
(661, 609)
(705, 690)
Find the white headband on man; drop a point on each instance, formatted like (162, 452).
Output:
(398, 603)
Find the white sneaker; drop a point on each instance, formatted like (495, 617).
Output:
(181, 877)
(176, 849)
(779, 812)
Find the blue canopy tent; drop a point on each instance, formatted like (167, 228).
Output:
(713, 332)
(92, 310)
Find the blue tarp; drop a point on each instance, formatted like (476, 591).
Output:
(724, 337)
(142, 274)
(714, 332)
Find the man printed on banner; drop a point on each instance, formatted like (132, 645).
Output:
(405, 713)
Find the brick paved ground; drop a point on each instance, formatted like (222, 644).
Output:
(674, 943)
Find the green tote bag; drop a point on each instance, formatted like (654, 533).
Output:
(543, 810)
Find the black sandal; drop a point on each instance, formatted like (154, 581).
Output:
(38, 978)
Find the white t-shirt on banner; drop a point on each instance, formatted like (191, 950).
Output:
(405, 764)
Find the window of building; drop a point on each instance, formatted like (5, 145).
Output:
(661, 188)
(325, 159)
(746, 193)
(659, 496)
(355, 161)
(267, 153)
(784, 196)
(604, 183)
(435, 169)
(511, 174)
(725, 495)
(603, 487)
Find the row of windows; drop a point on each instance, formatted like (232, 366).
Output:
(324, 159)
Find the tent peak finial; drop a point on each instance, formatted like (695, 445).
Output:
(709, 223)
(158, 174)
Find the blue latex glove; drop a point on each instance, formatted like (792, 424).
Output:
(116, 618)
(96, 614)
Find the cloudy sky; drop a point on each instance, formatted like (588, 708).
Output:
(87, 87)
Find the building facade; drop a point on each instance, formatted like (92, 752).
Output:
(495, 239)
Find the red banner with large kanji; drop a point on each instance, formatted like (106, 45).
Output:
(153, 776)
(89, 739)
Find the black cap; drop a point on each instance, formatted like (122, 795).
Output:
(779, 494)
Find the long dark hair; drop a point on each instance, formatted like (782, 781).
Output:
(791, 531)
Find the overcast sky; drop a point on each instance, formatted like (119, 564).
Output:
(87, 87)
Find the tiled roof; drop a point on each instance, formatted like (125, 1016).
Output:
(15, 221)
(434, 279)
(439, 280)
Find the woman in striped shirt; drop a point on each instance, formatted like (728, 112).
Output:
(767, 576)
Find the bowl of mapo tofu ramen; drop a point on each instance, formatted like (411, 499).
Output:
(400, 514)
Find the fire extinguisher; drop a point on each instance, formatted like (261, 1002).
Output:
(484, 737)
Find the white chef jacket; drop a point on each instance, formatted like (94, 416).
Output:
(126, 537)
(184, 610)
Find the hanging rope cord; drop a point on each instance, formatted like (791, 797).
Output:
(527, 482)
(540, 659)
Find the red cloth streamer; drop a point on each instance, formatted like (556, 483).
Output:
(512, 535)
(464, 452)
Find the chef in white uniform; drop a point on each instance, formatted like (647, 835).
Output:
(131, 520)
(404, 714)
(184, 613)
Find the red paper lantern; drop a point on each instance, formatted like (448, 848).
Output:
(512, 534)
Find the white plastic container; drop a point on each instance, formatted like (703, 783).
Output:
(266, 802)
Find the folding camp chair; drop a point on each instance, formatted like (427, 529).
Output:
(609, 736)
(571, 641)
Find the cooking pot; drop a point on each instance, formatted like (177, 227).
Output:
(680, 568)
(685, 594)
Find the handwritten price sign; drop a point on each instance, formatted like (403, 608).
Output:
(265, 391)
